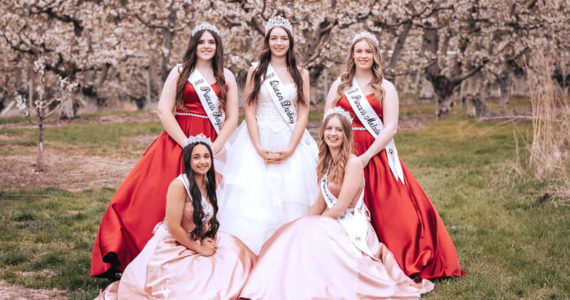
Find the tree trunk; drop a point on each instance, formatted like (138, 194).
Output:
(397, 50)
(505, 91)
(39, 166)
(505, 83)
(314, 74)
(68, 109)
(149, 85)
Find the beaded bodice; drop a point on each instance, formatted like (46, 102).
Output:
(267, 114)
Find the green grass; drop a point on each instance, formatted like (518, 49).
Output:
(93, 139)
(48, 234)
(511, 247)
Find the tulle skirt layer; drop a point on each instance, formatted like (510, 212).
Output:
(257, 198)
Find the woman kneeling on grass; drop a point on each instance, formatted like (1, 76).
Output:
(335, 253)
(187, 257)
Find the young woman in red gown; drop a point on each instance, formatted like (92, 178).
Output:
(139, 203)
(402, 214)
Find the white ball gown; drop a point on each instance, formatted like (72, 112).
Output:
(257, 198)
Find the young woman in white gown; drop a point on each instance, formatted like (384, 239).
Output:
(270, 176)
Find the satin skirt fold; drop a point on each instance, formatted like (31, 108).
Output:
(405, 219)
(311, 258)
(167, 270)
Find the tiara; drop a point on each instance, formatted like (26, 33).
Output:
(338, 111)
(200, 138)
(205, 26)
(365, 34)
(278, 21)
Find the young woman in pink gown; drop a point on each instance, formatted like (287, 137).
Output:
(402, 214)
(335, 253)
(187, 257)
(139, 202)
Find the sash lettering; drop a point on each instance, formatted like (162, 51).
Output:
(208, 98)
(284, 105)
(373, 125)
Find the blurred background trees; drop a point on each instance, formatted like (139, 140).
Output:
(118, 51)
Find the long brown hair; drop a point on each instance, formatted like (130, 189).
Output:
(265, 57)
(336, 169)
(196, 196)
(189, 62)
(377, 75)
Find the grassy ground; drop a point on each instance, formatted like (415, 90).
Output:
(510, 245)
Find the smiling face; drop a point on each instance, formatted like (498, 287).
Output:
(200, 160)
(278, 42)
(363, 54)
(334, 135)
(206, 48)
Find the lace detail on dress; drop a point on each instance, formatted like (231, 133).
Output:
(267, 114)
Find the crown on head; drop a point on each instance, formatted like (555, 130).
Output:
(278, 21)
(338, 111)
(205, 26)
(365, 34)
(200, 138)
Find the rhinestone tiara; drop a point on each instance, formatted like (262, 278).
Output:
(338, 111)
(278, 21)
(200, 138)
(205, 26)
(365, 34)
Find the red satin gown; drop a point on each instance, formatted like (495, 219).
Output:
(402, 214)
(140, 202)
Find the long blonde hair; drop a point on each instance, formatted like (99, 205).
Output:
(377, 75)
(336, 169)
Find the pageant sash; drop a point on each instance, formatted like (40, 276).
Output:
(208, 98)
(373, 125)
(285, 106)
(355, 224)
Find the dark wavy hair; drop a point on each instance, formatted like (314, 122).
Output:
(196, 197)
(189, 62)
(265, 57)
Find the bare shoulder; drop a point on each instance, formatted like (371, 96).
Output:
(229, 75)
(389, 86)
(335, 84)
(175, 71)
(353, 164)
(176, 184)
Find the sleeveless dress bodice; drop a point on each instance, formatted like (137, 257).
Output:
(267, 114)
(376, 105)
(188, 215)
(192, 102)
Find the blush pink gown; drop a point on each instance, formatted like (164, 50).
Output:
(312, 258)
(166, 269)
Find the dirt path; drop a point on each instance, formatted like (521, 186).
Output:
(72, 170)
(16, 292)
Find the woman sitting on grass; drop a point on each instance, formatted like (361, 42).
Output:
(188, 258)
(334, 254)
